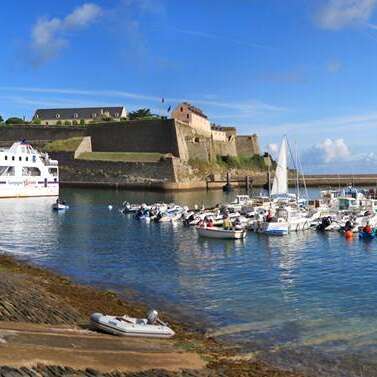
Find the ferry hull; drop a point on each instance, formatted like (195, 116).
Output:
(24, 189)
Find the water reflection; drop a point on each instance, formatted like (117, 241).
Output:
(306, 291)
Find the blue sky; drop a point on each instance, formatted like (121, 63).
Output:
(305, 68)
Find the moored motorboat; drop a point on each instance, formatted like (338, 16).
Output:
(219, 233)
(59, 207)
(151, 326)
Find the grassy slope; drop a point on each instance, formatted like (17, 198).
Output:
(121, 156)
(67, 145)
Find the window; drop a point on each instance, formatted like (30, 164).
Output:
(46, 123)
(75, 115)
(31, 172)
(12, 158)
(188, 116)
(7, 170)
(57, 116)
(53, 171)
(6, 157)
(36, 116)
(181, 109)
(20, 158)
(34, 159)
(116, 115)
(94, 115)
(27, 158)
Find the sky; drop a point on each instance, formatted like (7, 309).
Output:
(304, 68)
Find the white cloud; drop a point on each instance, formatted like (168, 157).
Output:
(82, 16)
(245, 108)
(334, 150)
(327, 151)
(272, 149)
(48, 36)
(337, 14)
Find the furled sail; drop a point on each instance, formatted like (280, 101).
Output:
(280, 185)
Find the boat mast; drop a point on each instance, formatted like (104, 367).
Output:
(297, 177)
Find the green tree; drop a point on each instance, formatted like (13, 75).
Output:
(142, 114)
(59, 123)
(15, 120)
(82, 122)
(67, 123)
(36, 121)
(1, 119)
(75, 122)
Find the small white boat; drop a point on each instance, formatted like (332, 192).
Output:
(59, 207)
(150, 327)
(219, 233)
(277, 229)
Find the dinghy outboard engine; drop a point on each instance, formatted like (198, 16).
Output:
(326, 221)
(152, 317)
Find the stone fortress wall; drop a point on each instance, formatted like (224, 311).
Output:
(166, 136)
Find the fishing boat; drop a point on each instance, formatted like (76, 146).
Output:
(219, 233)
(26, 172)
(151, 327)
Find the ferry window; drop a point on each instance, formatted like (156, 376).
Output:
(7, 170)
(31, 171)
(53, 171)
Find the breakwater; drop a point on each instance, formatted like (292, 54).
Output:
(336, 180)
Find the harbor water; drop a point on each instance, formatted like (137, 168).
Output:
(305, 301)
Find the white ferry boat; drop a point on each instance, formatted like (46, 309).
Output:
(27, 172)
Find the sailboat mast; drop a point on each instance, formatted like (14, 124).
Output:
(297, 177)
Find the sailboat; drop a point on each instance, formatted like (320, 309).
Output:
(288, 215)
(279, 191)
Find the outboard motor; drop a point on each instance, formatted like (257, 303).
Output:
(326, 221)
(152, 317)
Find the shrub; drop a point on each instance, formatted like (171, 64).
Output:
(59, 122)
(67, 123)
(82, 122)
(75, 122)
(15, 120)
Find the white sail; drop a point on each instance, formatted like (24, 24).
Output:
(280, 185)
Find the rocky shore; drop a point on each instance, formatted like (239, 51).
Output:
(44, 332)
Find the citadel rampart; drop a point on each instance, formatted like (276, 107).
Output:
(158, 135)
(175, 140)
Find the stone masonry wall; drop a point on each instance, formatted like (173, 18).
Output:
(39, 133)
(247, 145)
(136, 136)
(85, 146)
(168, 169)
